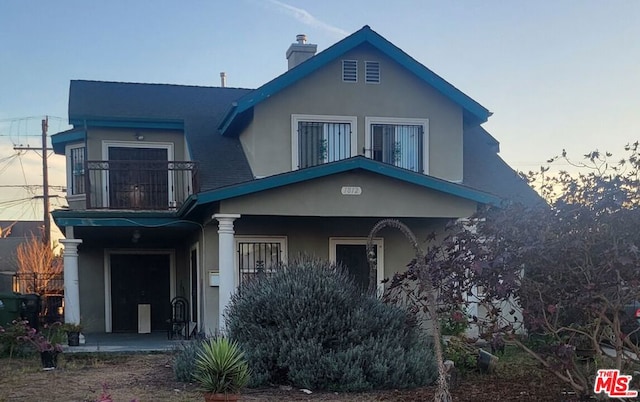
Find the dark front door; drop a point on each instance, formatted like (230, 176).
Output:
(354, 258)
(138, 178)
(139, 279)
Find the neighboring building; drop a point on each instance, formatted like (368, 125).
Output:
(186, 191)
(12, 234)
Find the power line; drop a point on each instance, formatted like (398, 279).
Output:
(27, 186)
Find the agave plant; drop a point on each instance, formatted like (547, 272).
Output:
(221, 367)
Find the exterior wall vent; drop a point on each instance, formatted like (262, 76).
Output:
(350, 70)
(372, 72)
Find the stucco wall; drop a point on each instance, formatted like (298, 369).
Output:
(267, 140)
(381, 197)
(91, 281)
(95, 136)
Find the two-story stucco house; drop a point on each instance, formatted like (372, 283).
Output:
(187, 191)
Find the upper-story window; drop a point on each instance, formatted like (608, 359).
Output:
(322, 139)
(399, 142)
(350, 70)
(75, 166)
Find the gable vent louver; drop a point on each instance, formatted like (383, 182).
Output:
(349, 71)
(372, 72)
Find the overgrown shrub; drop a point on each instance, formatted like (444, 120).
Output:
(310, 326)
(463, 355)
(10, 345)
(184, 363)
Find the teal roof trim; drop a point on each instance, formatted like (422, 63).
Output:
(472, 110)
(129, 123)
(117, 219)
(358, 162)
(60, 140)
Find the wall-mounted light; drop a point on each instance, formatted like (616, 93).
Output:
(136, 236)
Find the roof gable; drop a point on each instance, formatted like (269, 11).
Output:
(473, 112)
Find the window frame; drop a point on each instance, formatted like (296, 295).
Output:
(398, 121)
(168, 146)
(71, 194)
(358, 241)
(296, 118)
(282, 240)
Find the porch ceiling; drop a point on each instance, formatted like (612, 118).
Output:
(134, 237)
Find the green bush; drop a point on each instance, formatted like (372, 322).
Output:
(184, 363)
(463, 356)
(10, 345)
(310, 326)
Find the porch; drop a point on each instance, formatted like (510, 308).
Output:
(101, 342)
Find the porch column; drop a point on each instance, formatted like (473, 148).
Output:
(71, 285)
(226, 263)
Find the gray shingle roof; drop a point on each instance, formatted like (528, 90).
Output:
(485, 170)
(222, 161)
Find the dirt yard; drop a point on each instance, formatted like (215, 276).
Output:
(149, 377)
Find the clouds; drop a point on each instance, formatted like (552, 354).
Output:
(306, 18)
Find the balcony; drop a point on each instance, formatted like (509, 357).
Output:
(139, 184)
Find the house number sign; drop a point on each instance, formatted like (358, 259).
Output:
(351, 190)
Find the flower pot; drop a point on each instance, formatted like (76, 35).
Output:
(73, 338)
(49, 360)
(211, 397)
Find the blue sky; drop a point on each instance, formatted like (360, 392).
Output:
(556, 74)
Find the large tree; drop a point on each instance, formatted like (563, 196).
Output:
(38, 266)
(571, 264)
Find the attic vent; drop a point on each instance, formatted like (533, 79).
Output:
(372, 72)
(350, 70)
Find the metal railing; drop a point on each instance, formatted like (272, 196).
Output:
(139, 184)
(257, 259)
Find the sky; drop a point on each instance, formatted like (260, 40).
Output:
(556, 74)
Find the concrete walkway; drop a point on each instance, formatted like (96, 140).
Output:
(125, 342)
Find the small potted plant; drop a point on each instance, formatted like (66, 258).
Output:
(73, 333)
(46, 343)
(221, 370)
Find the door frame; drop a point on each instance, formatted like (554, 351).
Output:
(108, 319)
(378, 241)
(195, 247)
(106, 144)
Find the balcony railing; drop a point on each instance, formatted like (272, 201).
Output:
(139, 184)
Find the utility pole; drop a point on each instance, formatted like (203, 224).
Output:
(45, 183)
(46, 236)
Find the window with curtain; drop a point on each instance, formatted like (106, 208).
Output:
(322, 142)
(401, 145)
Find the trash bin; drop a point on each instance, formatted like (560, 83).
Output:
(11, 307)
(31, 311)
(53, 309)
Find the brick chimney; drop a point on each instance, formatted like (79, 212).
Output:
(300, 51)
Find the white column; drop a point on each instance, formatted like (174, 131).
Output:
(71, 285)
(226, 263)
